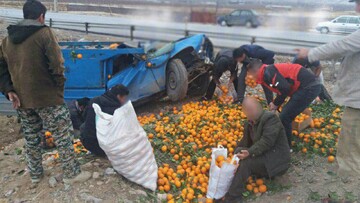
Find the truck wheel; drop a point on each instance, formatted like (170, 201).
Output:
(199, 86)
(176, 80)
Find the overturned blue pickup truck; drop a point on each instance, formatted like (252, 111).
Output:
(177, 69)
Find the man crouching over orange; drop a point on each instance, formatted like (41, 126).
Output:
(263, 150)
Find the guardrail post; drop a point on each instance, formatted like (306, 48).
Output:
(187, 33)
(253, 40)
(132, 29)
(51, 22)
(87, 28)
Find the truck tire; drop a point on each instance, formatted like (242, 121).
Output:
(199, 86)
(176, 80)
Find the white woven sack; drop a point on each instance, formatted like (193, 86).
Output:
(126, 145)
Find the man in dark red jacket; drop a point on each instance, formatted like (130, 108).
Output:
(287, 80)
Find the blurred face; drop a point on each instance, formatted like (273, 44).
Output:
(252, 109)
(241, 59)
(253, 72)
(80, 107)
(357, 8)
(122, 99)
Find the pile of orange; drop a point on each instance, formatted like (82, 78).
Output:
(250, 81)
(49, 139)
(256, 186)
(224, 97)
(183, 140)
(220, 160)
(301, 117)
(79, 148)
(144, 120)
(322, 135)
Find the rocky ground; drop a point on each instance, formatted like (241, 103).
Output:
(310, 178)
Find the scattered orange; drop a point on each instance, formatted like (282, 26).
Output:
(259, 182)
(262, 188)
(331, 159)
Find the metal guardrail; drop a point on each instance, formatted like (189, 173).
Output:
(130, 31)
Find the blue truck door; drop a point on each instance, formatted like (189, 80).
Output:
(85, 76)
(87, 72)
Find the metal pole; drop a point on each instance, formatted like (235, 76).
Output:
(56, 5)
(132, 29)
(217, 7)
(87, 28)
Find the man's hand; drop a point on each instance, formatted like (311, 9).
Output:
(239, 149)
(272, 107)
(243, 155)
(302, 53)
(14, 99)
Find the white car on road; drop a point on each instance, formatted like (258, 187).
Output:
(341, 24)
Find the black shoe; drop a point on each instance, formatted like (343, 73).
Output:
(218, 201)
(231, 199)
(204, 99)
(238, 102)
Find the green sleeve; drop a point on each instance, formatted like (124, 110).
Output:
(243, 143)
(270, 132)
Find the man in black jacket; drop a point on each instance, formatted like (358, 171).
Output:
(243, 55)
(108, 102)
(316, 68)
(223, 62)
(77, 109)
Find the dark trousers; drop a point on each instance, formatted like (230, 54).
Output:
(250, 166)
(299, 101)
(212, 86)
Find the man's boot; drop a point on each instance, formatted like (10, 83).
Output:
(82, 177)
(232, 199)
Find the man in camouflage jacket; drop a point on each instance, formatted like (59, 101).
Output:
(32, 77)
